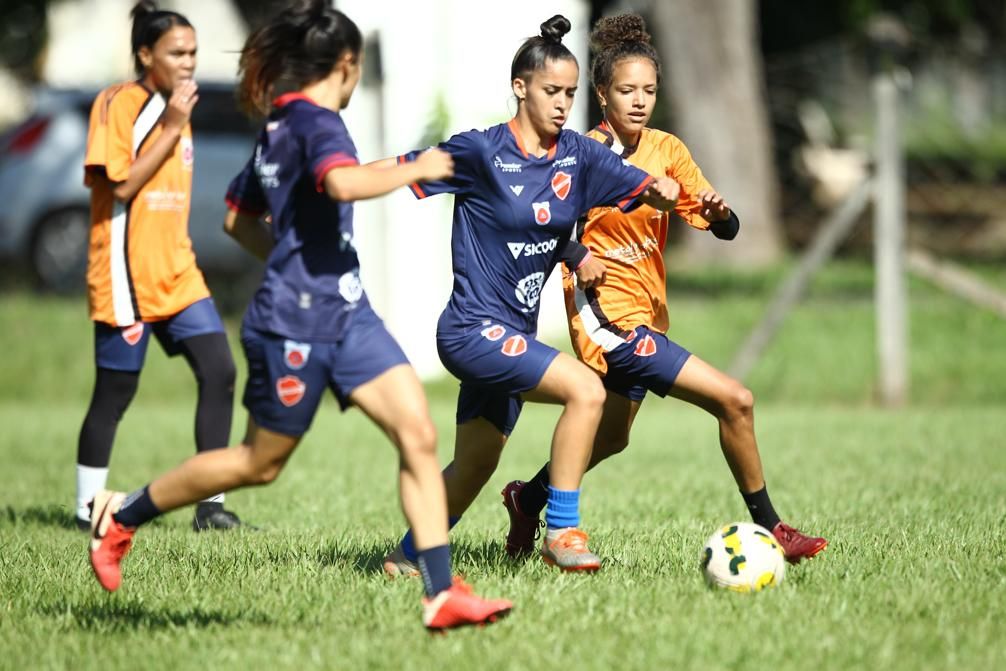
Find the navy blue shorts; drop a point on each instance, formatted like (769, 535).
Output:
(647, 362)
(286, 378)
(495, 364)
(125, 348)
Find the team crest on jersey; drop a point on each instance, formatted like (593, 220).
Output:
(132, 334)
(542, 215)
(493, 333)
(188, 152)
(646, 347)
(515, 345)
(561, 184)
(290, 390)
(295, 354)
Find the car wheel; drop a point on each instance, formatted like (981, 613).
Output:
(59, 250)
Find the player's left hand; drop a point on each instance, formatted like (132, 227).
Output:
(713, 207)
(591, 274)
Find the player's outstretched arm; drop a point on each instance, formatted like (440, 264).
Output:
(250, 231)
(661, 194)
(360, 182)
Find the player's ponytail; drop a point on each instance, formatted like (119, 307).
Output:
(149, 23)
(299, 45)
(615, 38)
(538, 50)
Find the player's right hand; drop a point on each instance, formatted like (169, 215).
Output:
(435, 164)
(591, 274)
(180, 105)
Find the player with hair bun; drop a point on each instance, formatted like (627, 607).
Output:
(310, 326)
(617, 324)
(142, 276)
(519, 188)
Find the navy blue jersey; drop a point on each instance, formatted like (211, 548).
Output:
(513, 212)
(312, 277)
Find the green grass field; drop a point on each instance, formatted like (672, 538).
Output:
(914, 502)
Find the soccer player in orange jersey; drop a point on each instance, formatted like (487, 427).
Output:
(617, 303)
(142, 276)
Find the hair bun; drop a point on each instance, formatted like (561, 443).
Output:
(611, 31)
(143, 8)
(554, 29)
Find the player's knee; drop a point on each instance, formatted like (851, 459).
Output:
(418, 437)
(589, 392)
(739, 401)
(612, 445)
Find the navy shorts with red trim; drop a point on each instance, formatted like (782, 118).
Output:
(287, 378)
(125, 347)
(649, 361)
(495, 363)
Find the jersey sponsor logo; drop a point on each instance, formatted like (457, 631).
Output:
(646, 347)
(516, 188)
(506, 167)
(515, 345)
(542, 215)
(132, 334)
(290, 390)
(296, 354)
(564, 162)
(347, 242)
(493, 333)
(634, 252)
(350, 286)
(561, 184)
(532, 248)
(268, 173)
(529, 289)
(188, 152)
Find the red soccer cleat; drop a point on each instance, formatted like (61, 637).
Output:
(110, 541)
(795, 545)
(524, 530)
(458, 606)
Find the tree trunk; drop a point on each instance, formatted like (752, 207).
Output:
(714, 81)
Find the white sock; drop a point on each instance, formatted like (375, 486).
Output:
(90, 481)
(219, 498)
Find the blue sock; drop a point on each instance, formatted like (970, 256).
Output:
(409, 543)
(137, 509)
(563, 508)
(435, 567)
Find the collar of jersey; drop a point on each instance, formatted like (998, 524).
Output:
(288, 98)
(512, 125)
(610, 134)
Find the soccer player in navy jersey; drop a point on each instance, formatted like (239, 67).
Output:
(519, 188)
(310, 325)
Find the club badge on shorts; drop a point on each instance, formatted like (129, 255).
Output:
(493, 333)
(295, 354)
(132, 334)
(290, 390)
(515, 345)
(646, 347)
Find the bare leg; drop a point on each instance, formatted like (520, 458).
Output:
(477, 448)
(733, 405)
(577, 387)
(257, 460)
(395, 401)
(613, 432)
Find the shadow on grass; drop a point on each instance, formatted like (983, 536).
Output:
(116, 615)
(51, 515)
(483, 555)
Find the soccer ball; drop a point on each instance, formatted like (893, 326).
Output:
(743, 557)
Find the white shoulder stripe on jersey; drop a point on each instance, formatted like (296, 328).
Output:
(122, 301)
(602, 336)
(149, 116)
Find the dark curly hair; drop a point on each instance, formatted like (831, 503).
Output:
(615, 38)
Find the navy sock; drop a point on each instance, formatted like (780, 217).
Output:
(760, 507)
(534, 495)
(563, 508)
(409, 543)
(435, 567)
(137, 509)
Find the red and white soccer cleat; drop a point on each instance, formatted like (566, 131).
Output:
(524, 529)
(567, 549)
(796, 545)
(458, 607)
(110, 541)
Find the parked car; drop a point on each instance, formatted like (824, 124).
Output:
(45, 218)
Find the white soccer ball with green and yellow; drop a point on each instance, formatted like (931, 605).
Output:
(743, 557)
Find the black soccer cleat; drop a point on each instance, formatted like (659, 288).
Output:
(213, 516)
